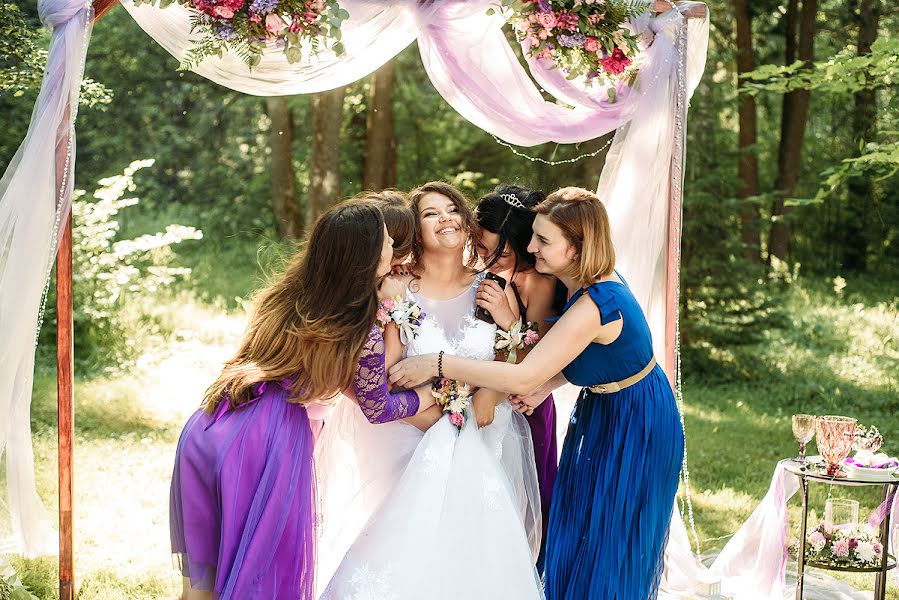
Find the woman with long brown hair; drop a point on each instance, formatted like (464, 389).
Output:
(243, 489)
(622, 454)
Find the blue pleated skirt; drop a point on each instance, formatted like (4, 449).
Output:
(614, 493)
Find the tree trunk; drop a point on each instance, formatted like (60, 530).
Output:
(855, 244)
(748, 169)
(380, 144)
(793, 122)
(324, 182)
(284, 203)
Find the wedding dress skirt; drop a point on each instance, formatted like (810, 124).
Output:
(447, 514)
(463, 522)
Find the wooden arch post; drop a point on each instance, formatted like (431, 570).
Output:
(65, 356)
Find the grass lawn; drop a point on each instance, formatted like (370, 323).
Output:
(838, 355)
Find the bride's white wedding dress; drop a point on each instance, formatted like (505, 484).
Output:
(450, 515)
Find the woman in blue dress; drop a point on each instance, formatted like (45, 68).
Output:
(621, 458)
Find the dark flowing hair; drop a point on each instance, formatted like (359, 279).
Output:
(398, 218)
(311, 322)
(469, 224)
(513, 224)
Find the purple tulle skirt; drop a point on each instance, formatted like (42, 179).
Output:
(242, 507)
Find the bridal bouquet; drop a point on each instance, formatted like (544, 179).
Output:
(454, 396)
(407, 315)
(247, 27)
(849, 547)
(584, 38)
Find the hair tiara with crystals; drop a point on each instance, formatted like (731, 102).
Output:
(513, 201)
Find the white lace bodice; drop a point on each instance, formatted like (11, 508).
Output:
(450, 326)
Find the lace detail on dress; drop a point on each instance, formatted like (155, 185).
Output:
(370, 384)
(450, 326)
(367, 583)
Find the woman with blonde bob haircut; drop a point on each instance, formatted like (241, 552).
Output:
(242, 504)
(621, 458)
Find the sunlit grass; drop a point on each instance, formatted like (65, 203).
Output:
(837, 356)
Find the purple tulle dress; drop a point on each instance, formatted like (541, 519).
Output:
(242, 505)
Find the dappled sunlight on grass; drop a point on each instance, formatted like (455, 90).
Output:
(836, 358)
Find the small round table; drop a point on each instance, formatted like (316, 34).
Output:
(812, 472)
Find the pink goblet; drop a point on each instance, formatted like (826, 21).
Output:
(835, 437)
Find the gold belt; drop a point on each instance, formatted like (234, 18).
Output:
(615, 386)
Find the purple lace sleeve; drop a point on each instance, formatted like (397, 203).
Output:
(370, 384)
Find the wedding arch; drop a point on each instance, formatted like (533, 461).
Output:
(470, 62)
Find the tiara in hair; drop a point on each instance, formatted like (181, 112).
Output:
(513, 201)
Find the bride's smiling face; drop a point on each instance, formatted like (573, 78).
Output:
(441, 223)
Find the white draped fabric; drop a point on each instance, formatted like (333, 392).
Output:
(752, 566)
(35, 198)
(469, 61)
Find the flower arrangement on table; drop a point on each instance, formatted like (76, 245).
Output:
(247, 27)
(407, 315)
(454, 396)
(584, 38)
(518, 337)
(858, 547)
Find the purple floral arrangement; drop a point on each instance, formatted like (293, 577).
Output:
(584, 38)
(247, 27)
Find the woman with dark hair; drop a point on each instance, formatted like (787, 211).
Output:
(242, 509)
(505, 218)
(619, 469)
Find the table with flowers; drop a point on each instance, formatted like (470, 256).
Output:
(839, 543)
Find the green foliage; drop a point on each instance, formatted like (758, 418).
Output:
(113, 276)
(843, 73)
(12, 589)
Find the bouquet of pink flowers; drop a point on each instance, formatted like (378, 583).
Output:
(454, 396)
(247, 27)
(584, 38)
(845, 547)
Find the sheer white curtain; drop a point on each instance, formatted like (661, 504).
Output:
(30, 215)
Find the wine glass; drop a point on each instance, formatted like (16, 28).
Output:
(803, 431)
(835, 438)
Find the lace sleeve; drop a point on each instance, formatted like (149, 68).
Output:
(370, 384)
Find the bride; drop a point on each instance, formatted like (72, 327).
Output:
(450, 514)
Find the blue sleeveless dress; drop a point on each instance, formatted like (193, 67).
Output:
(619, 469)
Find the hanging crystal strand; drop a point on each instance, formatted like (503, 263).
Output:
(677, 177)
(67, 171)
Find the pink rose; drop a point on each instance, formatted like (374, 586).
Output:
(388, 303)
(273, 23)
(841, 548)
(224, 12)
(591, 44)
(457, 419)
(310, 17)
(531, 337)
(382, 315)
(295, 26)
(547, 19)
